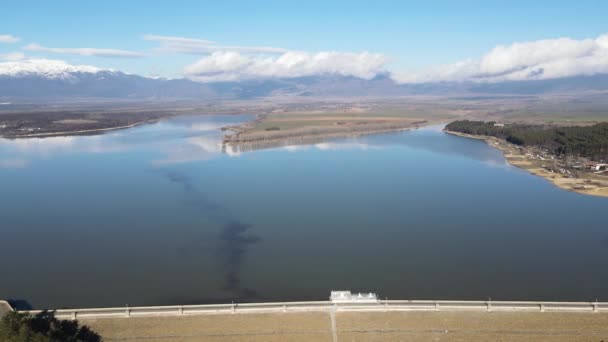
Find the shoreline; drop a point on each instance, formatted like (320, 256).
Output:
(79, 132)
(586, 184)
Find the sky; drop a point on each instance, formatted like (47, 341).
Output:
(233, 40)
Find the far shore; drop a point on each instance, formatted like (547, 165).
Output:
(586, 183)
(78, 132)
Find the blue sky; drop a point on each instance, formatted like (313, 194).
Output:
(412, 35)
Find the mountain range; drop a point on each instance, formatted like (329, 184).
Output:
(65, 81)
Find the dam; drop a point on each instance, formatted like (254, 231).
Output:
(348, 316)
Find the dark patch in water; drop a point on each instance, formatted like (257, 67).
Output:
(234, 247)
(181, 179)
(196, 198)
(234, 241)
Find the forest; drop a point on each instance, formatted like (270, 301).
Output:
(586, 141)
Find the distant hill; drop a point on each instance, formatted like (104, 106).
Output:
(558, 85)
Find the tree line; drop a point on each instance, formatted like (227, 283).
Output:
(586, 141)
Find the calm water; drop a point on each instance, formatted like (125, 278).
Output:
(158, 214)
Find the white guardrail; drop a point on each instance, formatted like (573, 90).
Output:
(379, 305)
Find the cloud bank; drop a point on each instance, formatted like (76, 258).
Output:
(233, 66)
(115, 53)
(520, 61)
(537, 60)
(236, 63)
(7, 38)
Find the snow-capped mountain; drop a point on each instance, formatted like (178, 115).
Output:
(43, 78)
(47, 68)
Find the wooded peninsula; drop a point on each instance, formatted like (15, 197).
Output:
(586, 141)
(572, 158)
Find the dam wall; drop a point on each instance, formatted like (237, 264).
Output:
(332, 306)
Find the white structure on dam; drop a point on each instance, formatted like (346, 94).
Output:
(348, 297)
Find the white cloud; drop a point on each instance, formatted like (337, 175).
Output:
(231, 65)
(115, 53)
(202, 47)
(7, 38)
(45, 67)
(12, 56)
(542, 59)
(234, 63)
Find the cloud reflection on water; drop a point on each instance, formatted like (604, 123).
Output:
(426, 138)
(14, 163)
(180, 140)
(24, 152)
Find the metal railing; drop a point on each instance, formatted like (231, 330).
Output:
(380, 305)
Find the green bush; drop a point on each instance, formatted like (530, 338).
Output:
(43, 327)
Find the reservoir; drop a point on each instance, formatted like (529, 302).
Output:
(161, 214)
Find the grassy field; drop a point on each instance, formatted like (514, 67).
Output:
(285, 122)
(346, 118)
(561, 118)
(289, 129)
(559, 110)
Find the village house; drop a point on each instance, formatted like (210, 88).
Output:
(597, 166)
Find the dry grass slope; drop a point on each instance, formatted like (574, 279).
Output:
(360, 326)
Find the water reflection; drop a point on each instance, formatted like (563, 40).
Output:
(331, 146)
(13, 163)
(180, 140)
(50, 146)
(190, 150)
(421, 139)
